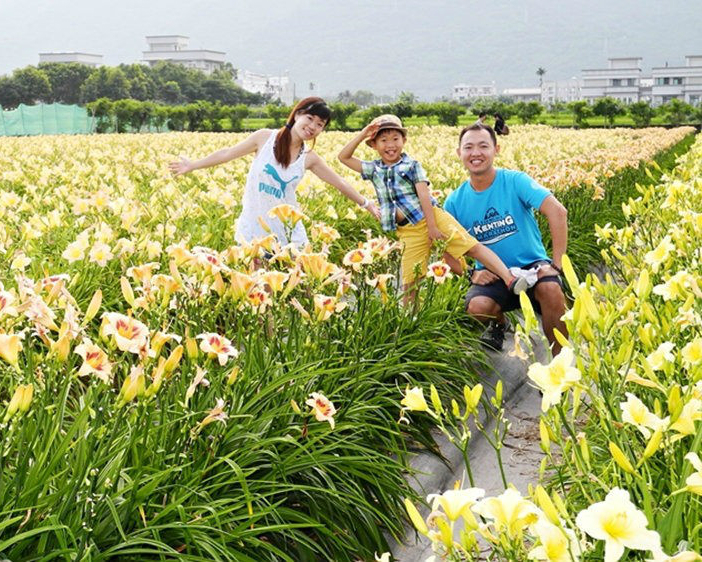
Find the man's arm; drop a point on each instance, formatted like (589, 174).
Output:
(557, 217)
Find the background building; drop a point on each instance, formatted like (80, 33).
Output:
(681, 82)
(278, 87)
(87, 59)
(621, 80)
(174, 48)
(565, 91)
(523, 94)
(462, 92)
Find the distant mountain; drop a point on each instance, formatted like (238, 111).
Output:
(386, 47)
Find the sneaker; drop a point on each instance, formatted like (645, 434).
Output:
(494, 335)
(518, 285)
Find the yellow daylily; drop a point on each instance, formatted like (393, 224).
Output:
(509, 512)
(620, 524)
(456, 503)
(555, 378)
(414, 400)
(10, 346)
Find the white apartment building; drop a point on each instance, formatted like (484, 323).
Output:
(682, 82)
(174, 48)
(88, 59)
(278, 87)
(565, 91)
(523, 94)
(621, 80)
(462, 92)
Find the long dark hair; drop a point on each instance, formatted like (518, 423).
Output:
(312, 106)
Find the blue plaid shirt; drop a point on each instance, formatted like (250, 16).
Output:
(394, 185)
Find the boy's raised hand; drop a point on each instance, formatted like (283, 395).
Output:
(183, 166)
(370, 130)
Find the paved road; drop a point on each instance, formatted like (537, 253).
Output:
(521, 456)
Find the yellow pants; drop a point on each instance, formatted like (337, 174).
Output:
(417, 246)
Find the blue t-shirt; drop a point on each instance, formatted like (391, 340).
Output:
(502, 216)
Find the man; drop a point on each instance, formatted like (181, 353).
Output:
(496, 207)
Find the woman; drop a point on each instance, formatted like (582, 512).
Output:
(281, 160)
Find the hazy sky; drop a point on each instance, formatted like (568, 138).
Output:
(383, 46)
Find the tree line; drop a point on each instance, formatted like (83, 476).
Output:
(133, 115)
(165, 83)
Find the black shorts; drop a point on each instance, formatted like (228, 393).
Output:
(506, 299)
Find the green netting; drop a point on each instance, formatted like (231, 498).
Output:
(46, 119)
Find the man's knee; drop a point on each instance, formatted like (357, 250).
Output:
(549, 294)
(482, 306)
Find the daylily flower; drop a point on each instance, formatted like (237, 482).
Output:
(325, 306)
(322, 408)
(240, 285)
(6, 300)
(324, 233)
(439, 271)
(275, 280)
(39, 312)
(660, 254)
(620, 524)
(691, 412)
(635, 412)
(95, 361)
(159, 339)
(357, 258)
(10, 346)
(143, 273)
(555, 378)
(694, 481)
(509, 512)
(100, 254)
(287, 214)
(556, 544)
(259, 299)
(215, 414)
(456, 503)
(414, 400)
(129, 334)
(75, 251)
(218, 346)
(380, 282)
(692, 352)
(198, 380)
(661, 356)
(316, 266)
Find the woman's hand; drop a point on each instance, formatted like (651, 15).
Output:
(181, 167)
(373, 210)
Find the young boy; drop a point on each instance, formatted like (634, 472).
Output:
(406, 205)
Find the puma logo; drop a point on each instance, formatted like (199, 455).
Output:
(271, 171)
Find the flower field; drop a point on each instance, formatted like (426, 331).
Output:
(165, 397)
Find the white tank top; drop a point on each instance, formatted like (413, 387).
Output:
(268, 184)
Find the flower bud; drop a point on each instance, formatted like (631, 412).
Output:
(620, 458)
(93, 307)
